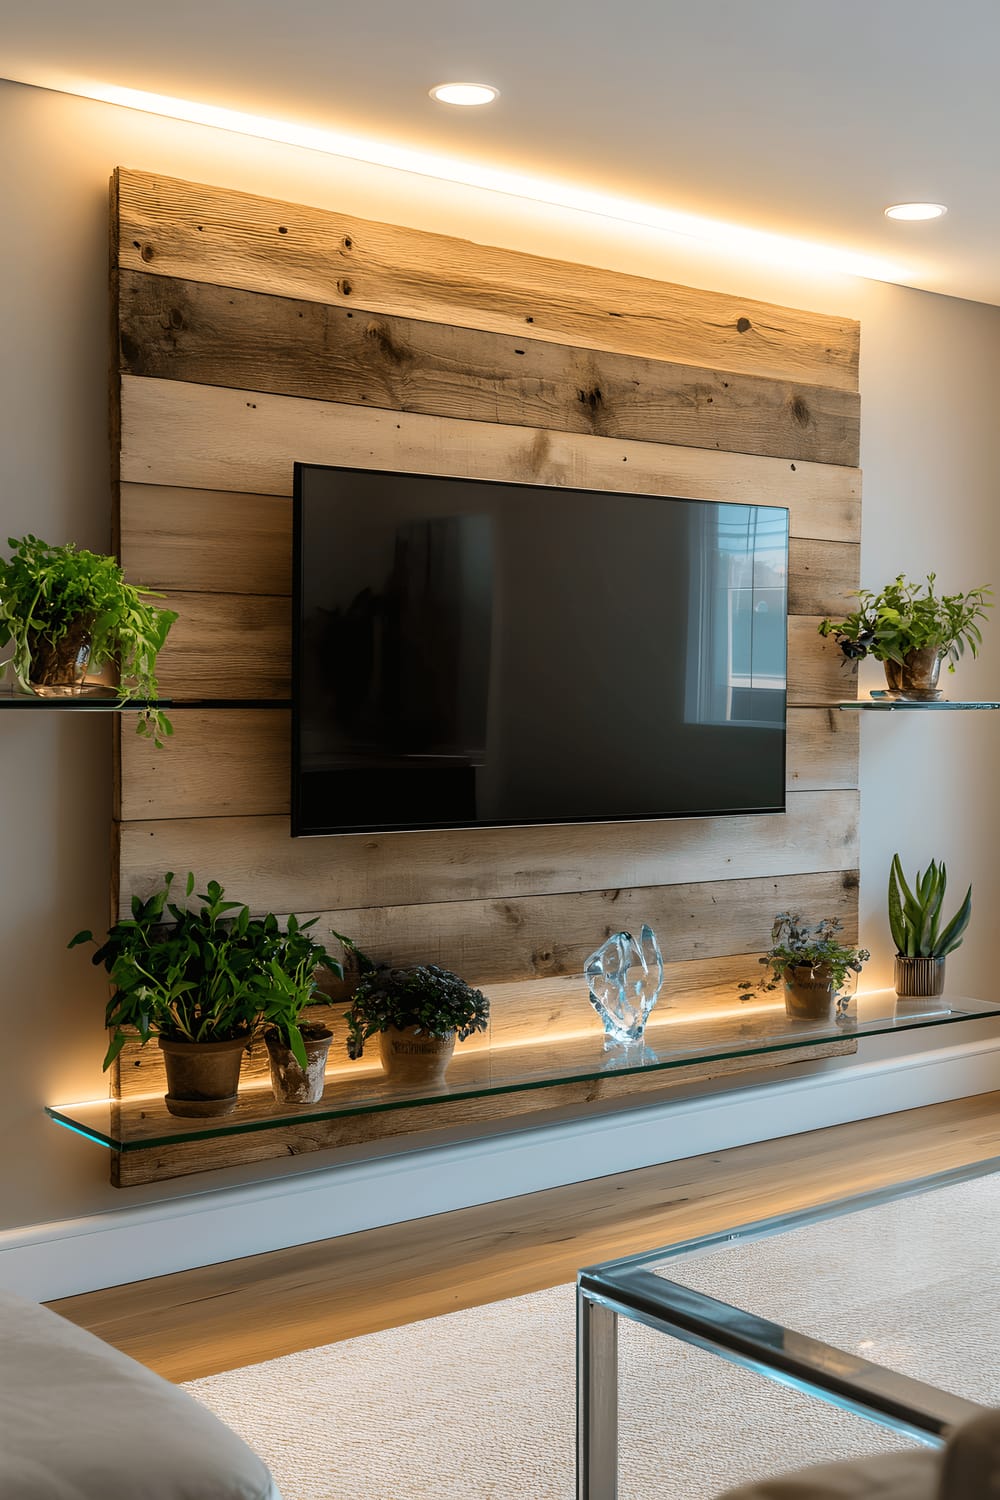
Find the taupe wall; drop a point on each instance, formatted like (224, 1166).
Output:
(930, 451)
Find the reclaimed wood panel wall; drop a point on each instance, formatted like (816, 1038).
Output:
(251, 333)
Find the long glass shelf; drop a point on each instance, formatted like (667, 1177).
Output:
(680, 1036)
(106, 699)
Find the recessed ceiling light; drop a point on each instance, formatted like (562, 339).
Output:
(915, 211)
(464, 93)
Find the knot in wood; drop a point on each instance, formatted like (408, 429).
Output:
(743, 325)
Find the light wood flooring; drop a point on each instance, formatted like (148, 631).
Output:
(220, 1317)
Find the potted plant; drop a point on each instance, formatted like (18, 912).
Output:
(418, 1013)
(297, 1050)
(922, 944)
(67, 611)
(911, 630)
(200, 979)
(812, 962)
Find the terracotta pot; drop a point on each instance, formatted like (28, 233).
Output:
(917, 678)
(413, 1059)
(919, 976)
(58, 667)
(202, 1077)
(809, 993)
(293, 1084)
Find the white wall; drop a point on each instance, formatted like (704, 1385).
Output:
(931, 453)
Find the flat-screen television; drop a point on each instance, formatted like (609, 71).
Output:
(469, 653)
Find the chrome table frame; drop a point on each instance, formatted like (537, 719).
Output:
(629, 1288)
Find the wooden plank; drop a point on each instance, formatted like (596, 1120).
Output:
(226, 238)
(209, 438)
(821, 576)
(236, 764)
(539, 937)
(467, 1116)
(822, 749)
(194, 1323)
(209, 335)
(216, 541)
(232, 764)
(239, 646)
(206, 541)
(227, 646)
(257, 861)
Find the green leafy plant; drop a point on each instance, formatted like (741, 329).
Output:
(797, 945)
(915, 913)
(295, 960)
(209, 973)
(59, 602)
(904, 617)
(433, 1000)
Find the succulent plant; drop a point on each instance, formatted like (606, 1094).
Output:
(915, 914)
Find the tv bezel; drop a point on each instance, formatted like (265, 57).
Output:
(297, 831)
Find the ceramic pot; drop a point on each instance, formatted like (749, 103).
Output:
(202, 1077)
(919, 976)
(809, 993)
(293, 1084)
(916, 678)
(413, 1059)
(58, 667)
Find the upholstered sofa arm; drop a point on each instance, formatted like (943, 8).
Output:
(81, 1421)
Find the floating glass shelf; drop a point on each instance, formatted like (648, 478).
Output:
(886, 703)
(682, 1036)
(106, 700)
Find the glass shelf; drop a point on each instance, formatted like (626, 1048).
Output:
(102, 698)
(885, 703)
(681, 1035)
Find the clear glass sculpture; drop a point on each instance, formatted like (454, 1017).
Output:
(625, 976)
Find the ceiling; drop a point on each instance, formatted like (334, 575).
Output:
(798, 117)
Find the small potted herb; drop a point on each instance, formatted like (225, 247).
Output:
(297, 1050)
(418, 1014)
(812, 962)
(911, 629)
(922, 942)
(67, 611)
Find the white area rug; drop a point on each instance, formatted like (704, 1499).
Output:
(479, 1405)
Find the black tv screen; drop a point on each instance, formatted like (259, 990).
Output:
(469, 653)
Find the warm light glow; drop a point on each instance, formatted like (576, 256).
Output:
(915, 211)
(466, 94)
(772, 249)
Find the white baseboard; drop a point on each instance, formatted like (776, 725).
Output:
(47, 1261)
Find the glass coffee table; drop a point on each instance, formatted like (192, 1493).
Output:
(886, 1306)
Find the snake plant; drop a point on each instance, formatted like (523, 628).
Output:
(915, 915)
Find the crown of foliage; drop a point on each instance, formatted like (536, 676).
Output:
(45, 594)
(797, 945)
(433, 1000)
(915, 914)
(905, 617)
(210, 973)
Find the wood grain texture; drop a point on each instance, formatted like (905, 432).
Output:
(237, 764)
(194, 1323)
(822, 576)
(159, 1162)
(255, 857)
(173, 329)
(209, 438)
(215, 235)
(206, 541)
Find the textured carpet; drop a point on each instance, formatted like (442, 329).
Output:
(479, 1405)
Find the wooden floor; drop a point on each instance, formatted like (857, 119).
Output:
(200, 1322)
